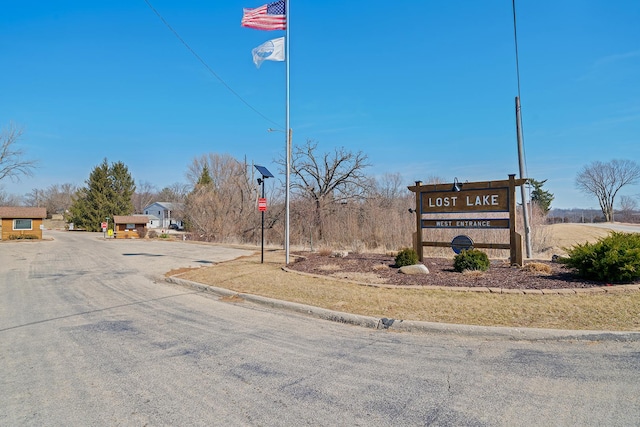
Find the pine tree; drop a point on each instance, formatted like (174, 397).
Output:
(205, 177)
(108, 192)
(540, 197)
(123, 187)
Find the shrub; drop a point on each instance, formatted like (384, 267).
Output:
(406, 256)
(537, 267)
(472, 259)
(23, 237)
(152, 234)
(615, 258)
(325, 251)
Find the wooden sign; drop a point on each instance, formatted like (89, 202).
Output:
(468, 197)
(466, 223)
(481, 200)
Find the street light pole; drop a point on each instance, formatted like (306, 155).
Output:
(261, 181)
(265, 174)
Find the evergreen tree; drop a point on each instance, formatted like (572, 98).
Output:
(123, 186)
(108, 193)
(205, 177)
(540, 197)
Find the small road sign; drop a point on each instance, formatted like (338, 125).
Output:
(262, 204)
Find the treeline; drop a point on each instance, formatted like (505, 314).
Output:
(333, 201)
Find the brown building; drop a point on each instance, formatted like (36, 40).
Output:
(20, 222)
(130, 226)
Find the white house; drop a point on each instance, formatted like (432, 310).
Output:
(164, 214)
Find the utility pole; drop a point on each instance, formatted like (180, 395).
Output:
(523, 191)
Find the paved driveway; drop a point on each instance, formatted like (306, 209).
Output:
(89, 336)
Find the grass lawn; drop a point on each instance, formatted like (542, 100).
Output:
(619, 311)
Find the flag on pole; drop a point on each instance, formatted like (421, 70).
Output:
(272, 50)
(268, 17)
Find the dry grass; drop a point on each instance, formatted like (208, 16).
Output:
(561, 236)
(360, 277)
(330, 267)
(610, 311)
(472, 273)
(325, 251)
(537, 267)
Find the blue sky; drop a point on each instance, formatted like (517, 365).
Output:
(423, 88)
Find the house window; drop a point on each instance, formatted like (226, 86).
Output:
(131, 226)
(22, 224)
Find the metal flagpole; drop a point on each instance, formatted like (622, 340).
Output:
(287, 133)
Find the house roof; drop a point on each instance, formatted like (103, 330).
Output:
(22, 212)
(130, 219)
(166, 205)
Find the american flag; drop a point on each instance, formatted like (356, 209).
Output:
(271, 16)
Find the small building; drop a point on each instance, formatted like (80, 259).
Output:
(166, 214)
(154, 221)
(19, 222)
(130, 226)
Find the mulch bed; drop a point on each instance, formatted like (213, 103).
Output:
(441, 273)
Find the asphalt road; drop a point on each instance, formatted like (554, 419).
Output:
(616, 226)
(90, 336)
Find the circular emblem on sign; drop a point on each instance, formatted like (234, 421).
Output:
(265, 50)
(461, 243)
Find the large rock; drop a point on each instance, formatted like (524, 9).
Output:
(414, 269)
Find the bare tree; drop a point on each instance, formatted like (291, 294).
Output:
(175, 193)
(331, 178)
(35, 198)
(145, 194)
(222, 204)
(388, 188)
(9, 199)
(57, 198)
(604, 180)
(12, 163)
(628, 207)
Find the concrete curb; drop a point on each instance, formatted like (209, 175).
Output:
(562, 291)
(527, 334)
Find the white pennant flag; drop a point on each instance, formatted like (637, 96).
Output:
(272, 50)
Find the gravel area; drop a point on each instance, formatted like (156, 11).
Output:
(380, 269)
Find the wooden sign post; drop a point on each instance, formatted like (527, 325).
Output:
(469, 197)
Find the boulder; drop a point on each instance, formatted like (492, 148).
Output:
(414, 269)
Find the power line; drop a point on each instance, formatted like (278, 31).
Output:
(213, 73)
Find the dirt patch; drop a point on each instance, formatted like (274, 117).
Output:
(232, 298)
(178, 271)
(380, 269)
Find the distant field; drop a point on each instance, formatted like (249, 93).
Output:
(558, 236)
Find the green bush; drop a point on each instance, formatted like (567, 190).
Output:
(615, 258)
(472, 259)
(406, 256)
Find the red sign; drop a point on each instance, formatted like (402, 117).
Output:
(262, 204)
(104, 226)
